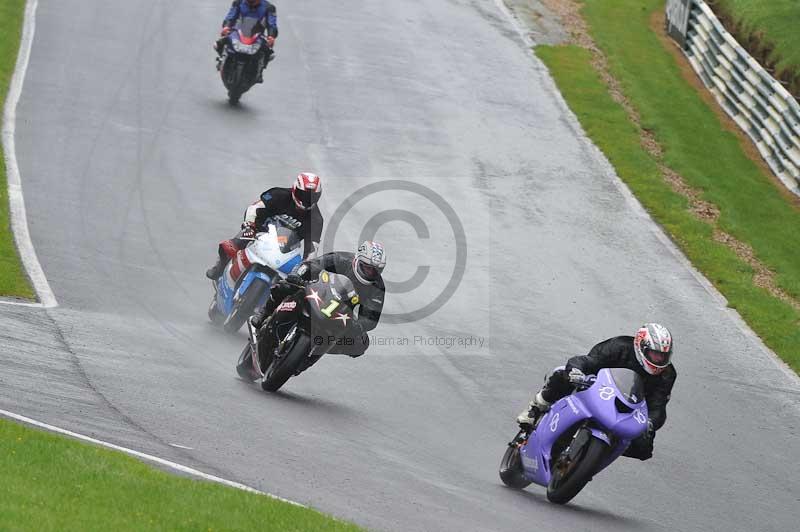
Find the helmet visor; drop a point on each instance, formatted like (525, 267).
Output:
(659, 359)
(306, 198)
(368, 271)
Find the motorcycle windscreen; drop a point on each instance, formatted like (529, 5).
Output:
(629, 383)
(287, 239)
(250, 26)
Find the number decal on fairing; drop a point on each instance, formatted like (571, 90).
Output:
(607, 393)
(330, 308)
(639, 416)
(554, 422)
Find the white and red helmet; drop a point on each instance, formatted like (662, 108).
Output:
(653, 347)
(306, 190)
(369, 261)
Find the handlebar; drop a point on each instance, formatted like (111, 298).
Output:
(587, 382)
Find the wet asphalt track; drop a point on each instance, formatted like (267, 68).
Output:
(134, 167)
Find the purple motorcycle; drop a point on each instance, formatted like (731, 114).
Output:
(579, 436)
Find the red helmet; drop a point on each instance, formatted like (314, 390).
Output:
(306, 190)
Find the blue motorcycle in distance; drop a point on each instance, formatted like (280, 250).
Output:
(246, 281)
(579, 436)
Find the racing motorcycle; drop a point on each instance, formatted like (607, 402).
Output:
(243, 57)
(246, 281)
(579, 436)
(325, 317)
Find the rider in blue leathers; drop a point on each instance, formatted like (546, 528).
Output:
(260, 9)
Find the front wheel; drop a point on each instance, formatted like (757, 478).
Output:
(245, 306)
(233, 76)
(234, 95)
(511, 468)
(284, 366)
(575, 466)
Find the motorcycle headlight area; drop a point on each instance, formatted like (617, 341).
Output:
(242, 48)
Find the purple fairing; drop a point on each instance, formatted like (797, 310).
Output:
(613, 408)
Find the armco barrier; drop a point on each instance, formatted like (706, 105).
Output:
(761, 106)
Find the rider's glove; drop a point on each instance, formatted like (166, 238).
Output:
(650, 429)
(295, 279)
(576, 376)
(225, 31)
(270, 41)
(248, 230)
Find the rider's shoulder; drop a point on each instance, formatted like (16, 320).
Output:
(344, 256)
(275, 193)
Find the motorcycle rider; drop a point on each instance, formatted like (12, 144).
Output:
(649, 354)
(264, 11)
(297, 205)
(363, 268)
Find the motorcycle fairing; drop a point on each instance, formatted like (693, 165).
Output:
(597, 408)
(248, 279)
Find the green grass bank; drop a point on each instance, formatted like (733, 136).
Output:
(769, 30)
(697, 146)
(51, 483)
(13, 281)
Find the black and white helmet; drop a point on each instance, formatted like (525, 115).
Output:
(369, 262)
(653, 347)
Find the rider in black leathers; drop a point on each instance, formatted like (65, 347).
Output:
(648, 354)
(298, 207)
(363, 268)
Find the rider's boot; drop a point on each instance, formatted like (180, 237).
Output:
(538, 406)
(260, 315)
(216, 270)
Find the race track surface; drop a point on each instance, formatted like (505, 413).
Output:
(134, 167)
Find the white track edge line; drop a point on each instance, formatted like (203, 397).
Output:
(16, 201)
(143, 456)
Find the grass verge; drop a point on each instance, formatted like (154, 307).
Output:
(13, 281)
(54, 483)
(751, 208)
(769, 31)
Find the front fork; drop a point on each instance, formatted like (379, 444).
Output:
(253, 341)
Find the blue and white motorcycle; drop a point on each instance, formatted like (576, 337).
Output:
(246, 281)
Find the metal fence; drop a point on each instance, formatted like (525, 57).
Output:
(759, 103)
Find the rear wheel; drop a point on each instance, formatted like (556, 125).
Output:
(245, 305)
(511, 468)
(574, 467)
(284, 366)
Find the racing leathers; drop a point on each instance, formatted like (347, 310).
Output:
(274, 202)
(370, 303)
(617, 352)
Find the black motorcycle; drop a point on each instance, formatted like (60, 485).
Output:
(244, 56)
(325, 318)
